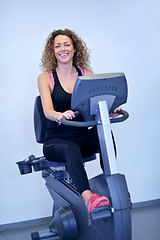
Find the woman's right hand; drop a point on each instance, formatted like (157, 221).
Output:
(69, 114)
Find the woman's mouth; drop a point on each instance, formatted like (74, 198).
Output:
(63, 54)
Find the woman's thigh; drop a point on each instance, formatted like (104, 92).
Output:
(59, 150)
(88, 142)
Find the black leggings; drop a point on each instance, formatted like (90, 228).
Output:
(61, 150)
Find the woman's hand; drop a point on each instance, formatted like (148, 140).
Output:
(69, 114)
(114, 114)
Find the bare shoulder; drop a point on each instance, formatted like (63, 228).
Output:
(45, 82)
(88, 71)
(44, 79)
(43, 76)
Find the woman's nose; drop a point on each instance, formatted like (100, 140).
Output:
(63, 47)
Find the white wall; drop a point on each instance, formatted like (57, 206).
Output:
(123, 36)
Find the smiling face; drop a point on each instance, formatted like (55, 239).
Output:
(63, 49)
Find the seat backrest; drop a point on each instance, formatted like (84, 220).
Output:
(40, 126)
(40, 121)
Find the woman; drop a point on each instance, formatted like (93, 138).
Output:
(66, 57)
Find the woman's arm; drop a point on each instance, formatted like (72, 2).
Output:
(45, 93)
(45, 89)
(87, 71)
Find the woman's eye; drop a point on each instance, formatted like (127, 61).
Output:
(65, 45)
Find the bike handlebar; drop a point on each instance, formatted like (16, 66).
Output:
(71, 123)
(124, 114)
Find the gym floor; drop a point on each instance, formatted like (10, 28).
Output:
(145, 226)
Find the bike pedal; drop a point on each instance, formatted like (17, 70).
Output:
(99, 213)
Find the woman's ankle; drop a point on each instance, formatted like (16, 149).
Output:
(86, 195)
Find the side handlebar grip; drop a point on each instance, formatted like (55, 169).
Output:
(124, 116)
(72, 123)
(78, 124)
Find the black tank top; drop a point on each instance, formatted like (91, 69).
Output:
(61, 103)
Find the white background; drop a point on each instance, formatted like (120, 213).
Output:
(124, 36)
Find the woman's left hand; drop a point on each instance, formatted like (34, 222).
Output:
(114, 114)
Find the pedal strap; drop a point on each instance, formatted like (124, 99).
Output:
(99, 213)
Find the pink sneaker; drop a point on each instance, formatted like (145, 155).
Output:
(96, 201)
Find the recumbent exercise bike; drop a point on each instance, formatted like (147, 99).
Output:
(95, 97)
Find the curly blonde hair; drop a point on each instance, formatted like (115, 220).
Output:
(81, 56)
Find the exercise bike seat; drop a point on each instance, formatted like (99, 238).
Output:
(40, 126)
(40, 121)
(41, 163)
